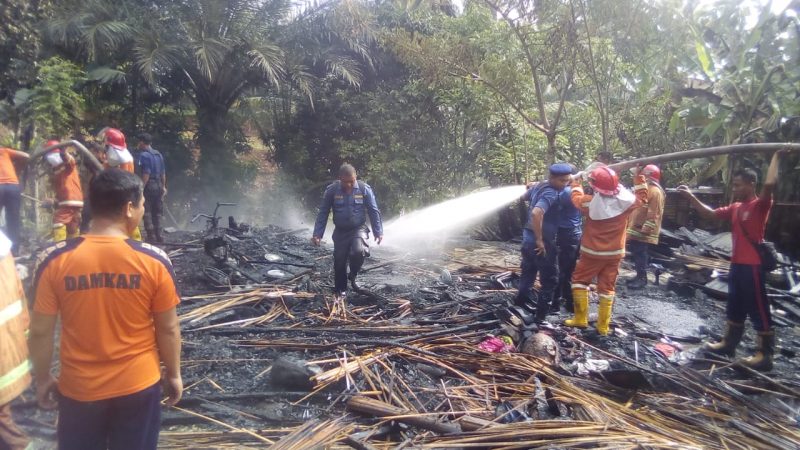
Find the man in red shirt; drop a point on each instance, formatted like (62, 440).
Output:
(747, 294)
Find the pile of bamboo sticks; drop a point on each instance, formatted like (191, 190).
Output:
(417, 364)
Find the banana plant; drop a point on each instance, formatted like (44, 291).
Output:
(746, 82)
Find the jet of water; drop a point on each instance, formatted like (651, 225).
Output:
(440, 220)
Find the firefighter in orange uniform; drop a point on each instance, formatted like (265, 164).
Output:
(69, 195)
(603, 240)
(118, 156)
(15, 371)
(644, 225)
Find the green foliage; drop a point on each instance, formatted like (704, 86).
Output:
(53, 104)
(20, 42)
(213, 53)
(426, 100)
(753, 87)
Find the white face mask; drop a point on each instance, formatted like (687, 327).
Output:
(607, 207)
(54, 159)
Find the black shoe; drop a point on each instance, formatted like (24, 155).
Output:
(637, 283)
(528, 306)
(555, 306)
(354, 285)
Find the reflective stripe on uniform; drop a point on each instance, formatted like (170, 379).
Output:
(15, 374)
(75, 203)
(606, 296)
(10, 311)
(603, 253)
(639, 186)
(579, 286)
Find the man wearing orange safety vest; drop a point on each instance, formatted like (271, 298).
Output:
(118, 156)
(603, 240)
(644, 225)
(69, 194)
(14, 364)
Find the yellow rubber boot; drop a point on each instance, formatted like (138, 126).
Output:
(73, 235)
(59, 232)
(136, 235)
(580, 300)
(604, 314)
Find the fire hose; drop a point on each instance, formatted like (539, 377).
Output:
(93, 163)
(704, 153)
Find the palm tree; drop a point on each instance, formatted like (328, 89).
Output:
(217, 50)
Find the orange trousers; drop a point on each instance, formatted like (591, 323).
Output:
(69, 216)
(605, 269)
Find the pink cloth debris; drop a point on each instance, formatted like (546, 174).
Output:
(495, 345)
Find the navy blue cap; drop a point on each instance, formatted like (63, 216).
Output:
(560, 169)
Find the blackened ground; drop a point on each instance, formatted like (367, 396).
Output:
(226, 367)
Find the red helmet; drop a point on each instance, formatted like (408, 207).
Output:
(652, 171)
(604, 181)
(115, 138)
(51, 142)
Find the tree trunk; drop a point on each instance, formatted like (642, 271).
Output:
(26, 142)
(551, 149)
(217, 159)
(604, 127)
(135, 102)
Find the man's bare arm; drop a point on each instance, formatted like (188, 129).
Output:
(705, 211)
(41, 346)
(168, 339)
(537, 221)
(772, 176)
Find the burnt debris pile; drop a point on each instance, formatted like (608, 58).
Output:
(429, 354)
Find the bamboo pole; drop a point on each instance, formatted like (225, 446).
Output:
(372, 407)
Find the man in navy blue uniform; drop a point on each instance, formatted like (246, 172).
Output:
(569, 242)
(151, 167)
(539, 250)
(351, 201)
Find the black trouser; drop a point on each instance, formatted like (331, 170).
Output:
(747, 296)
(153, 210)
(10, 196)
(348, 246)
(546, 266)
(569, 244)
(528, 272)
(641, 258)
(130, 422)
